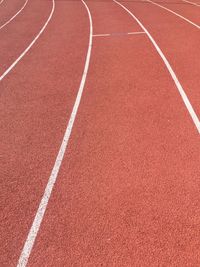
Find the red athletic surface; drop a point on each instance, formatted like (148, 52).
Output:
(8, 8)
(180, 43)
(128, 191)
(184, 9)
(196, 1)
(19, 33)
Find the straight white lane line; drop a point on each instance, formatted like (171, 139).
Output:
(103, 34)
(1, 2)
(178, 15)
(135, 33)
(23, 260)
(30, 45)
(169, 68)
(192, 3)
(116, 34)
(19, 11)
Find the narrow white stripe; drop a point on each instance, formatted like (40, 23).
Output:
(178, 15)
(192, 3)
(114, 34)
(135, 32)
(30, 45)
(19, 11)
(103, 34)
(172, 73)
(1, 2)
(52, 179)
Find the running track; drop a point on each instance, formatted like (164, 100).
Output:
(99, 109)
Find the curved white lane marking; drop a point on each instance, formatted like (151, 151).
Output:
(192, 3)
(178, 15)
(52, 179)
(30, 45)
(19, 11)
(172, 73)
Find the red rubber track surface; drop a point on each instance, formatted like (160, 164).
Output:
(18, 34)
(104, 21)
(196, 1)
(8, 8)
(186, 10)
(123, 191)
(128, 190)
(179, 41)
(36, 101)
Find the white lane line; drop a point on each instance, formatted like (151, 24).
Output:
(30, 45)
(19, 11)
(1, 2)
(169, 68)
(192, 3)
(114, 34)
(178, 15)
(103, 34)
(23, 260)
(135, 33)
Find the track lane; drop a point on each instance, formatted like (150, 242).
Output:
(123, 196)
(8, 9)
(173, 75)
(183, 11)
(34, 109)
(196, 1)
(192, 3)
(19, 57)
(182, 51)
(32, 235)
(14, 16)
(17, 36)
(102, 22)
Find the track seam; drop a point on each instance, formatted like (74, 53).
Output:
(172, 73)
(30, 240)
